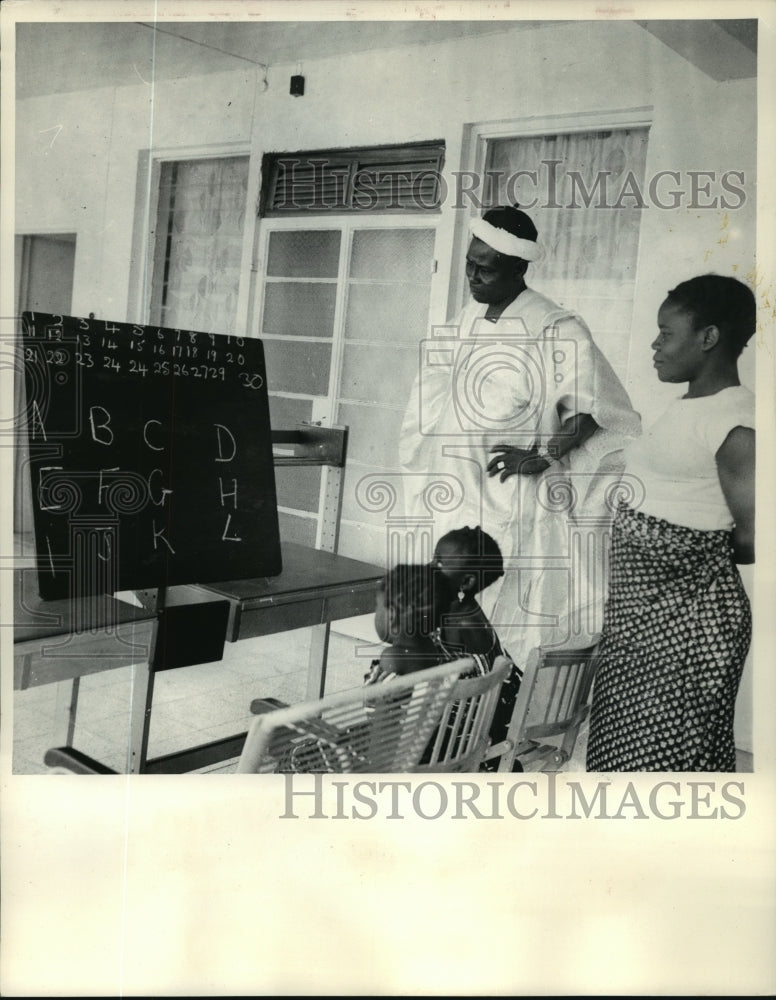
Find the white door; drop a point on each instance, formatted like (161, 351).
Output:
(344, 305)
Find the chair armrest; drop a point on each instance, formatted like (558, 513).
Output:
(261, 705)
(498, 749)
(74, 761)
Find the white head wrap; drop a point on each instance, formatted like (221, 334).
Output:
(505, 242)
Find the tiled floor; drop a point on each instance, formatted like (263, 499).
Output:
(193, 705)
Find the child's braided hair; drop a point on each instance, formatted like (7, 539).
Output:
(419, 595)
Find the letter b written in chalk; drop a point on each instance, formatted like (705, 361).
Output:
(101, 432)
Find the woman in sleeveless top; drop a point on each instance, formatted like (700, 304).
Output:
(677, 622)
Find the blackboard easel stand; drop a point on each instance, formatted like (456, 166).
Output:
(154, 599)
(189, 629)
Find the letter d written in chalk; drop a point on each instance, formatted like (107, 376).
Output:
(227, 446)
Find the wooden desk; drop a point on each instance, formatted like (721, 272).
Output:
(58, 642)
(314, 589)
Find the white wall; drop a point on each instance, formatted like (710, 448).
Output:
(83, 177)
(87, 170)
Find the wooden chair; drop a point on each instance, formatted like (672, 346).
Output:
(462, 739)
(433, 720)
(553, 701)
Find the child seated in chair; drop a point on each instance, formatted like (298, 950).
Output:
(471, 560)
(428, 614)
(411, 602)
(409, 607)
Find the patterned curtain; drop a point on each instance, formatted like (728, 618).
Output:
(598, 240)
(588, 190)
(201, 218)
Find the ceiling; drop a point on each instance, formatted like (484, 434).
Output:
(84, 55)
(724, 49)
(115, 54)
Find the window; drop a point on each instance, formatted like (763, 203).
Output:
(583, 191)
(346, 262)
(380, 179)
(345, 305)
(198, 245)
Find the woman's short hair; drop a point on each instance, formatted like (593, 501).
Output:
(715, 300)
(420, 595)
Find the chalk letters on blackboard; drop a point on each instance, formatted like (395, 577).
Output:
(157, 440)
(221, 456)
(41, 487)
(160, 535)
(94, 415)
(37, 422)
(163, 491)
(154, 447)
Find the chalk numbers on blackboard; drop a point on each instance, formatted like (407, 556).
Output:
(142, 352)
(251, 381)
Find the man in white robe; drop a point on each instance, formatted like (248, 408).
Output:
(516, 422)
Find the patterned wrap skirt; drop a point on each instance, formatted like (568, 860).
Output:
(676, 631)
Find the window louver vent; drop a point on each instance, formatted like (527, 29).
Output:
(396, 179)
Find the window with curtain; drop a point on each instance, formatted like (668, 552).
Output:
(591, 240)
(346, 250)
(199, 239)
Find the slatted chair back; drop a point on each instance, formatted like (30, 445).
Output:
(552, 704)
(462, 738)
(379, 728)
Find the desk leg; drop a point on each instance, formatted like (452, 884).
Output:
(65, 711)
(140, 716)
(319, 652)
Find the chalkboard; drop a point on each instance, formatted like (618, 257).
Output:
(150, 456)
